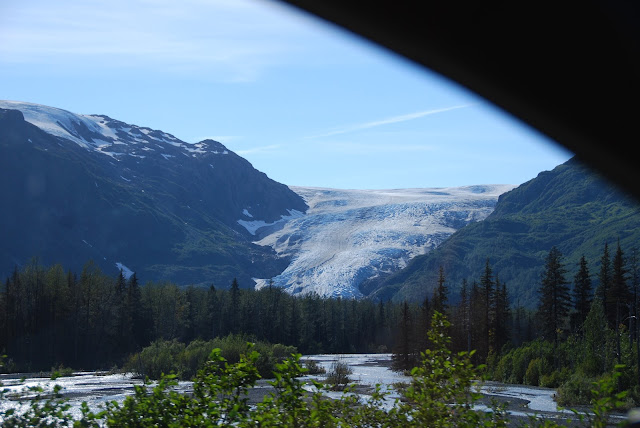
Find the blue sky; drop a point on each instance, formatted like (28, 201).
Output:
(304, 102)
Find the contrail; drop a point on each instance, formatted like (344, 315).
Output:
(394, 119)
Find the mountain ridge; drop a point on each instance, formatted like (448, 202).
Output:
(569, 207)
(110, 189)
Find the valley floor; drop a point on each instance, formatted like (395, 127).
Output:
(97, 388)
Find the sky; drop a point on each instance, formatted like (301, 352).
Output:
(305, 102)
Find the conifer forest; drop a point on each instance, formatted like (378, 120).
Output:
(583, 331)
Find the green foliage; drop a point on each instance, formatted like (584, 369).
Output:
(525, 364)
(443, 384)
(555, 299)
(606, 398)
(555, 378)
(173, 357)
(161, 357)
(313, 367)
(570, 207)
(440, 395)
(576, 390)
(532, 375)
(338, 377)
(599, 342)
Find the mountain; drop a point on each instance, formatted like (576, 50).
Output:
(569, 207)
(350, 236)
(79, 187)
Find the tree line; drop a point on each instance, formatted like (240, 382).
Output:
(51, 317)
(585, 331)
(584, 325)
(482, 320)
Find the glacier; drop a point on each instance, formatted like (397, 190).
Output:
(349, 236)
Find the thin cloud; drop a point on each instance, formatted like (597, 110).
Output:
(363, 149)
(224, 40)
(389, 120)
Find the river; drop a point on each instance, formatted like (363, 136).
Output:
(96, 388)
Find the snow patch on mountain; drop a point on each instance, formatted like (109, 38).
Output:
(126, 272)
(348, 236)
(102, 133)
(254, 226)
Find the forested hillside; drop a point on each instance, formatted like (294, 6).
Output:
(569, 207)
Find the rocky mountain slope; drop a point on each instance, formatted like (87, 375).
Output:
(79, 187)
(569, 207)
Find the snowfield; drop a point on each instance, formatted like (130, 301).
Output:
(105, 135)
(348, 236)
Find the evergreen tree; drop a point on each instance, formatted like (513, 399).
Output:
(618, 296)
(138, 314)
(59, 299)
(76, 301)
(191, 325)
(487, 290)
(235, 306)
(518, 320)
(555, 299)
(213, 321)
(121, 314)
(604, 277)
(582, 294)
(618, 293)
(502, 315)
(597, 342)
(477, 314)
(465, 315)
(440, 293)
(294, 323)
(403, 353)
(13, 323)
(423, 325)
(634, 278)
(4, 316)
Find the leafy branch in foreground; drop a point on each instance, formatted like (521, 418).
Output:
(442, 392)
(605, 399)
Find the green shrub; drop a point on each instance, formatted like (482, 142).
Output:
(61, 371)
(161, 357)
(194, 356)
(555, 378)
(173, 357)
(532, 376)
(282, 352)
(338, 376)
(313, 367)
(504, 369)
(232, 347)
(576, 390)
(513, 366)
(442, 391)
